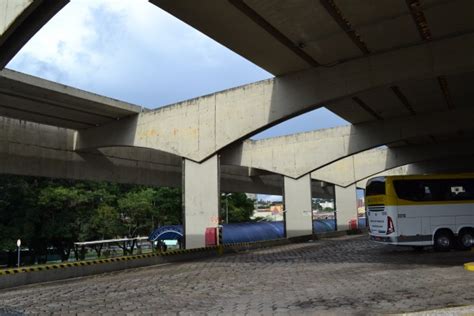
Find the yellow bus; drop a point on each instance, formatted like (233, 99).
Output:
(422, 210)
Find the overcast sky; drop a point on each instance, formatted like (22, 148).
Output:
(135, 52)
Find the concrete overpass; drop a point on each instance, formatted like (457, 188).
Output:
(216, 121)
(443, 165)
(39, 150)
(352, 169)
(327, 38)
(299, 154)
(395, 70)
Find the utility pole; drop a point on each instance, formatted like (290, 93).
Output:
(18, 244)
(226, 207)
(226, 210)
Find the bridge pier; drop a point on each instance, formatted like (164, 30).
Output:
(298, 208)
(201, 194)
(346, 205)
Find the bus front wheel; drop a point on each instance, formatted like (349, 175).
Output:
(443, 240)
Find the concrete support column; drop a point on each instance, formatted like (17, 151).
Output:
(298, 208)
(201, 195)
(346, 205)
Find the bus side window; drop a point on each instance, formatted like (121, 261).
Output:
(469, 194)
(428, 196)
(435, 190)
(462, 190)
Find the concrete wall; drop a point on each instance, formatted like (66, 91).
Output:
(346, 206)
(298, 154)
(298, 206)
(201, 199)
(198, 128)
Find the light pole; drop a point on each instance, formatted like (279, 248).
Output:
(18, 244)
(226, 210)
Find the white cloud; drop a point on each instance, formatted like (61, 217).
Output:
(90, 35)
(131, 50)
(62, 47)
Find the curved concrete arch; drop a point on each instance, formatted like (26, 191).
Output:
(196, 129)
(352, 169)
(299, 154)
(34, 149)
(449, 165)
(20, 20)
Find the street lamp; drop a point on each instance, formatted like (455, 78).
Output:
(18, 244)
(226, 208)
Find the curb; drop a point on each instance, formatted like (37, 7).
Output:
(219, 249)
(47, 267)
(14, 277)
(171, 253)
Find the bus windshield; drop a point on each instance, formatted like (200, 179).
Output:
(375, 186)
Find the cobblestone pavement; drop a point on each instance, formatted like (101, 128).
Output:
(343, 275)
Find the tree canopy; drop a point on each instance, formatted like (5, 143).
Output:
(240, 208)
(47, 213)
(52, 214)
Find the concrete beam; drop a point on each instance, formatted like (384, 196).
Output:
(20, 20)
(219, 19)
(198, 128)
(33, 149)
(350, 170)
(298, 207)
(298, 154)
(322, 190)
(37, 100)
(446, 165)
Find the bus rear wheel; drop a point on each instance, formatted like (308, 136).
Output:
(443, 240)
(465, 239)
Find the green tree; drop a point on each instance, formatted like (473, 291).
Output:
(136, 210)
(19, 215)
(168, 207)
(47, 213)
(240, 207)
(104, 223)
(13, 195)
(64, 212)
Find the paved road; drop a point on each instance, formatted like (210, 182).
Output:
(348, 274)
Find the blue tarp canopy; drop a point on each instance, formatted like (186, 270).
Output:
(243, 232)
(253, 231)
